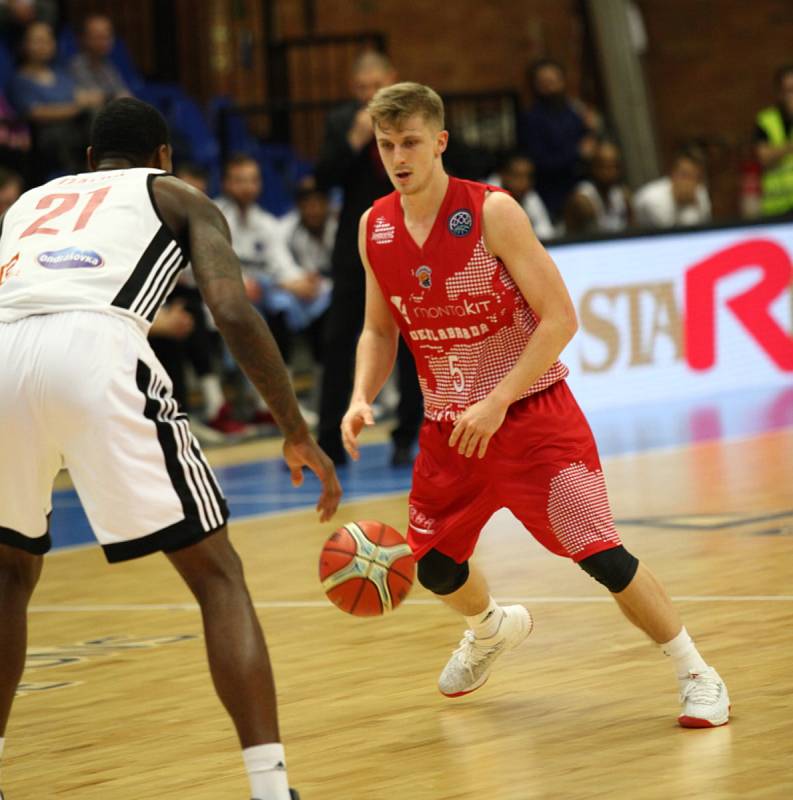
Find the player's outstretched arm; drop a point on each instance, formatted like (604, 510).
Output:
(219, 277)
(374, 356)
(508, 235)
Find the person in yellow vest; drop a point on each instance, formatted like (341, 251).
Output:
(774, 146)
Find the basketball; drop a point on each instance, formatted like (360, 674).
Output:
(366, 568)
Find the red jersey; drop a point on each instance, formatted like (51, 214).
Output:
(456, 304)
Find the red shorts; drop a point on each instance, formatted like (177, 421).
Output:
(542, 464)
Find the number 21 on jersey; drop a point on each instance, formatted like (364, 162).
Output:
(64, 203)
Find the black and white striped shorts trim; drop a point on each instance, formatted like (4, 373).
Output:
(189, 472)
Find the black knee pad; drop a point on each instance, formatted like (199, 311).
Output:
(613, 568)
(441, 574)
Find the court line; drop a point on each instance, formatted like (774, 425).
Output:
(308, 506)
(276, 604)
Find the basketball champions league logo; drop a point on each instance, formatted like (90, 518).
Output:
(461, 222)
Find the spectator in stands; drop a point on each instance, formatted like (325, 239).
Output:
(58, 112)
(311, 233)
(15, 139)
(557, 134)
(16, 15)
(603, 203)
(774, 146)
(290, 298)
(517, 177)
(680, 199)
(349, 159)
(193, 174)
(11, 186)
(91, 69)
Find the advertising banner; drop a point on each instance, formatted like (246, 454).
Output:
(680, 315)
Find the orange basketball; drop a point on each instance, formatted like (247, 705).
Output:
(366, 568)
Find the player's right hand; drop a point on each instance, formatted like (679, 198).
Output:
(307, 453)
(358, 415)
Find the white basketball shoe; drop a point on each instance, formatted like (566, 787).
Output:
(705, 701)
(470, 664)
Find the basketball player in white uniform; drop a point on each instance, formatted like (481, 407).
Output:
(86, 261)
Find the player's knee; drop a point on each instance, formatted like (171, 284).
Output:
(613, 568)
(19, 571)
(441, 574)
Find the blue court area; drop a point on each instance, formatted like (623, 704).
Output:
(263, 487)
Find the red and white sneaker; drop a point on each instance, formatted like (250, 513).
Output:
(225, 423)
(470, 664)
(706, 703)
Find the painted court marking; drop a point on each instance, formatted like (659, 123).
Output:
(275, 604)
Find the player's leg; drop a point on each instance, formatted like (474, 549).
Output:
(146, 487)
(28, 465)
(492, 629)
(235, 644)
(645, 602)
(19, 573)
(566, 507)
(238, 658)
(450, 502)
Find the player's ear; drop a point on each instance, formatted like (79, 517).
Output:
(442, 141)
(164, 159)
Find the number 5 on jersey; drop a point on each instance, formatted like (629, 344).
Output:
(458, 379)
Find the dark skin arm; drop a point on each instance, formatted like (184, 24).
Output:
(194, 219)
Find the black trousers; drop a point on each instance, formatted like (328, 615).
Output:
(196, 349)
(343, 327)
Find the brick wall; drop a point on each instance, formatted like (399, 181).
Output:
(468, 45)
(709, 65)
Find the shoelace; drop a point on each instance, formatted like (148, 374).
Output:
(470, 653)
(702, 689)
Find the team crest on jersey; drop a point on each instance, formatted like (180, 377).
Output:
(383, 231)
(424, 274)
(70, 258)
(461, 222)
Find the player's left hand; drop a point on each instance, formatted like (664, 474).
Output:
(307, 453)
(476, 425)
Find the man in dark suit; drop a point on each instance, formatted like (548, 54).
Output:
(350, 159)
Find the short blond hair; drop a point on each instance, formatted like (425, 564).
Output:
(393, 105)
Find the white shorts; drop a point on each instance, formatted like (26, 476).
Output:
(84, 390)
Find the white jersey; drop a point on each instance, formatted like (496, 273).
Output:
(88, 242)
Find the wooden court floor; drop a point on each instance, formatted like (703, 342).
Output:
(118, 704)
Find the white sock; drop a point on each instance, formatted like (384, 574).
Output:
(266, 766)
(685, 654)
(213, 395)
(485, 624)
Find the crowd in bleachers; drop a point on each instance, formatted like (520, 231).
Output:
(299, 252)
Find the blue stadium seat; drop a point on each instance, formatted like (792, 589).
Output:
(7, 65)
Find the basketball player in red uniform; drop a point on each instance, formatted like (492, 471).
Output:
(455, 267)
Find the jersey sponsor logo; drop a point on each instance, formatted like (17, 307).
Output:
(450, 333)
(424, 275)
(400, 306)
(461, 222)
(420, 522)
(70, 258)
(464, 309)
(383, 232)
